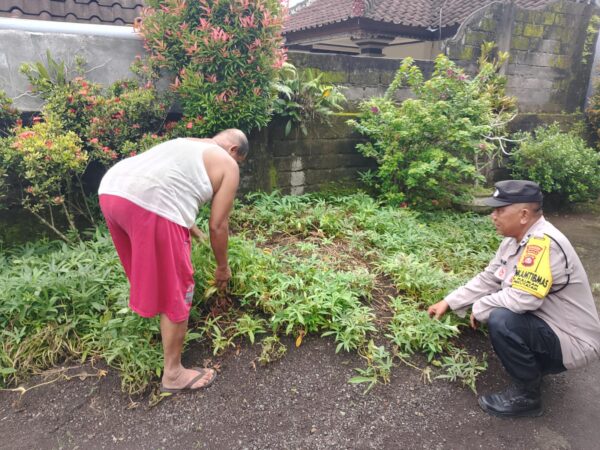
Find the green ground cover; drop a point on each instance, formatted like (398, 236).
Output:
(346, 268)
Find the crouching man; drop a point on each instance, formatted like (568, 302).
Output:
(534, 296)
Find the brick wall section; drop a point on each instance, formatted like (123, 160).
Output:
(325, 158)
(361, 77)
(545, 71)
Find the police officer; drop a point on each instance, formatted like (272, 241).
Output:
(534, 296)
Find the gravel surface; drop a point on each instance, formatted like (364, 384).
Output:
(305, 401)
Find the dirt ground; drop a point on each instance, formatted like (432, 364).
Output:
(305, 402)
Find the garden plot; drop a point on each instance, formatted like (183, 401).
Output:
(345, 268)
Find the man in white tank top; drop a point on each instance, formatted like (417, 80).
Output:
(150, 202)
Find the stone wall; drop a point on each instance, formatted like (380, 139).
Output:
(326, 158)
(361, 77)
(548, 70)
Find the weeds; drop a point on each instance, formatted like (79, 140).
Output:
(301, 265)
(460, 366)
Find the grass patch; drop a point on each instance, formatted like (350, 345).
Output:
(301, 265)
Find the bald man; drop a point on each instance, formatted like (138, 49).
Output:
(150, 202)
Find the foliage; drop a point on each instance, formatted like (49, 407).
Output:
(62, 301)
(109, 121)
(303, 98)
(412, 330)
(81, 124)
(379, 366)
(459, 365)
(46, 161)
(429, 147)
(305, 265)
(8, 114)
(224, 54)
(561, 163)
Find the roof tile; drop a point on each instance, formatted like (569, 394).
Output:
(418, 13)
(117, 12)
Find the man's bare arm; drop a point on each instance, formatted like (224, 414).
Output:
(222, 203)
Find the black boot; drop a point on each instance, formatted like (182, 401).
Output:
(517, 400)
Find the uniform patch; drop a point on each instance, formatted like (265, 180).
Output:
(534, 273)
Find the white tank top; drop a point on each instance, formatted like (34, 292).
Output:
(169, 180)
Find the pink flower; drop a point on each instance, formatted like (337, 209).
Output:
(94, 141)
(132, 153)
(26, 134)
(189, 125)
(374, 109)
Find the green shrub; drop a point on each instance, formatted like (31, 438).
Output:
(46, 162)
(561, 163)
(8, 114)
(224, 53)
(81, 123)
(429, 147)
(108, 121)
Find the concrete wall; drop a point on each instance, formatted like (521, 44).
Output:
(109, 51)
(548, 71)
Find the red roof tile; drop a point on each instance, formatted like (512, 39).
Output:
(117, 12)
(416, 13)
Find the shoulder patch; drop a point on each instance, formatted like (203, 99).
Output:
(534, 273)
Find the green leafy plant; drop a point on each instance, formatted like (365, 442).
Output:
(224, 54)
(459, 365)
(272, 350)
(303, 98)
(308, 265)
(80, 124)
(8, 114)
(47, 162)
(379, 366)
(430, 147)
(561, 163)
(412, 330)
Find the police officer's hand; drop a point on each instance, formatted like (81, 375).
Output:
(438, 310)
(222, 276)
(474, 322)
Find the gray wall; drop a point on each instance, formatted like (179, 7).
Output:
(548, 70)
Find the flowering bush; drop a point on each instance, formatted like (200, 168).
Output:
(46, 160)
(427, 147)
(80, 123)
(224, 54)
(106, 120)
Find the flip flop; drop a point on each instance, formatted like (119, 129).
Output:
(188, 387)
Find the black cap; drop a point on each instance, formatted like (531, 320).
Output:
(514, 191)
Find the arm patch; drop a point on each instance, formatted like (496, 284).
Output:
(534, 273)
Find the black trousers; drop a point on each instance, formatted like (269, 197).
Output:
(526, 345)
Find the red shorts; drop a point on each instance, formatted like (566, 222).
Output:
(156, 255)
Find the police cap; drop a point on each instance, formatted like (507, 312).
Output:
(514, 191)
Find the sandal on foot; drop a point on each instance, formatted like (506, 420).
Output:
(188, 387)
